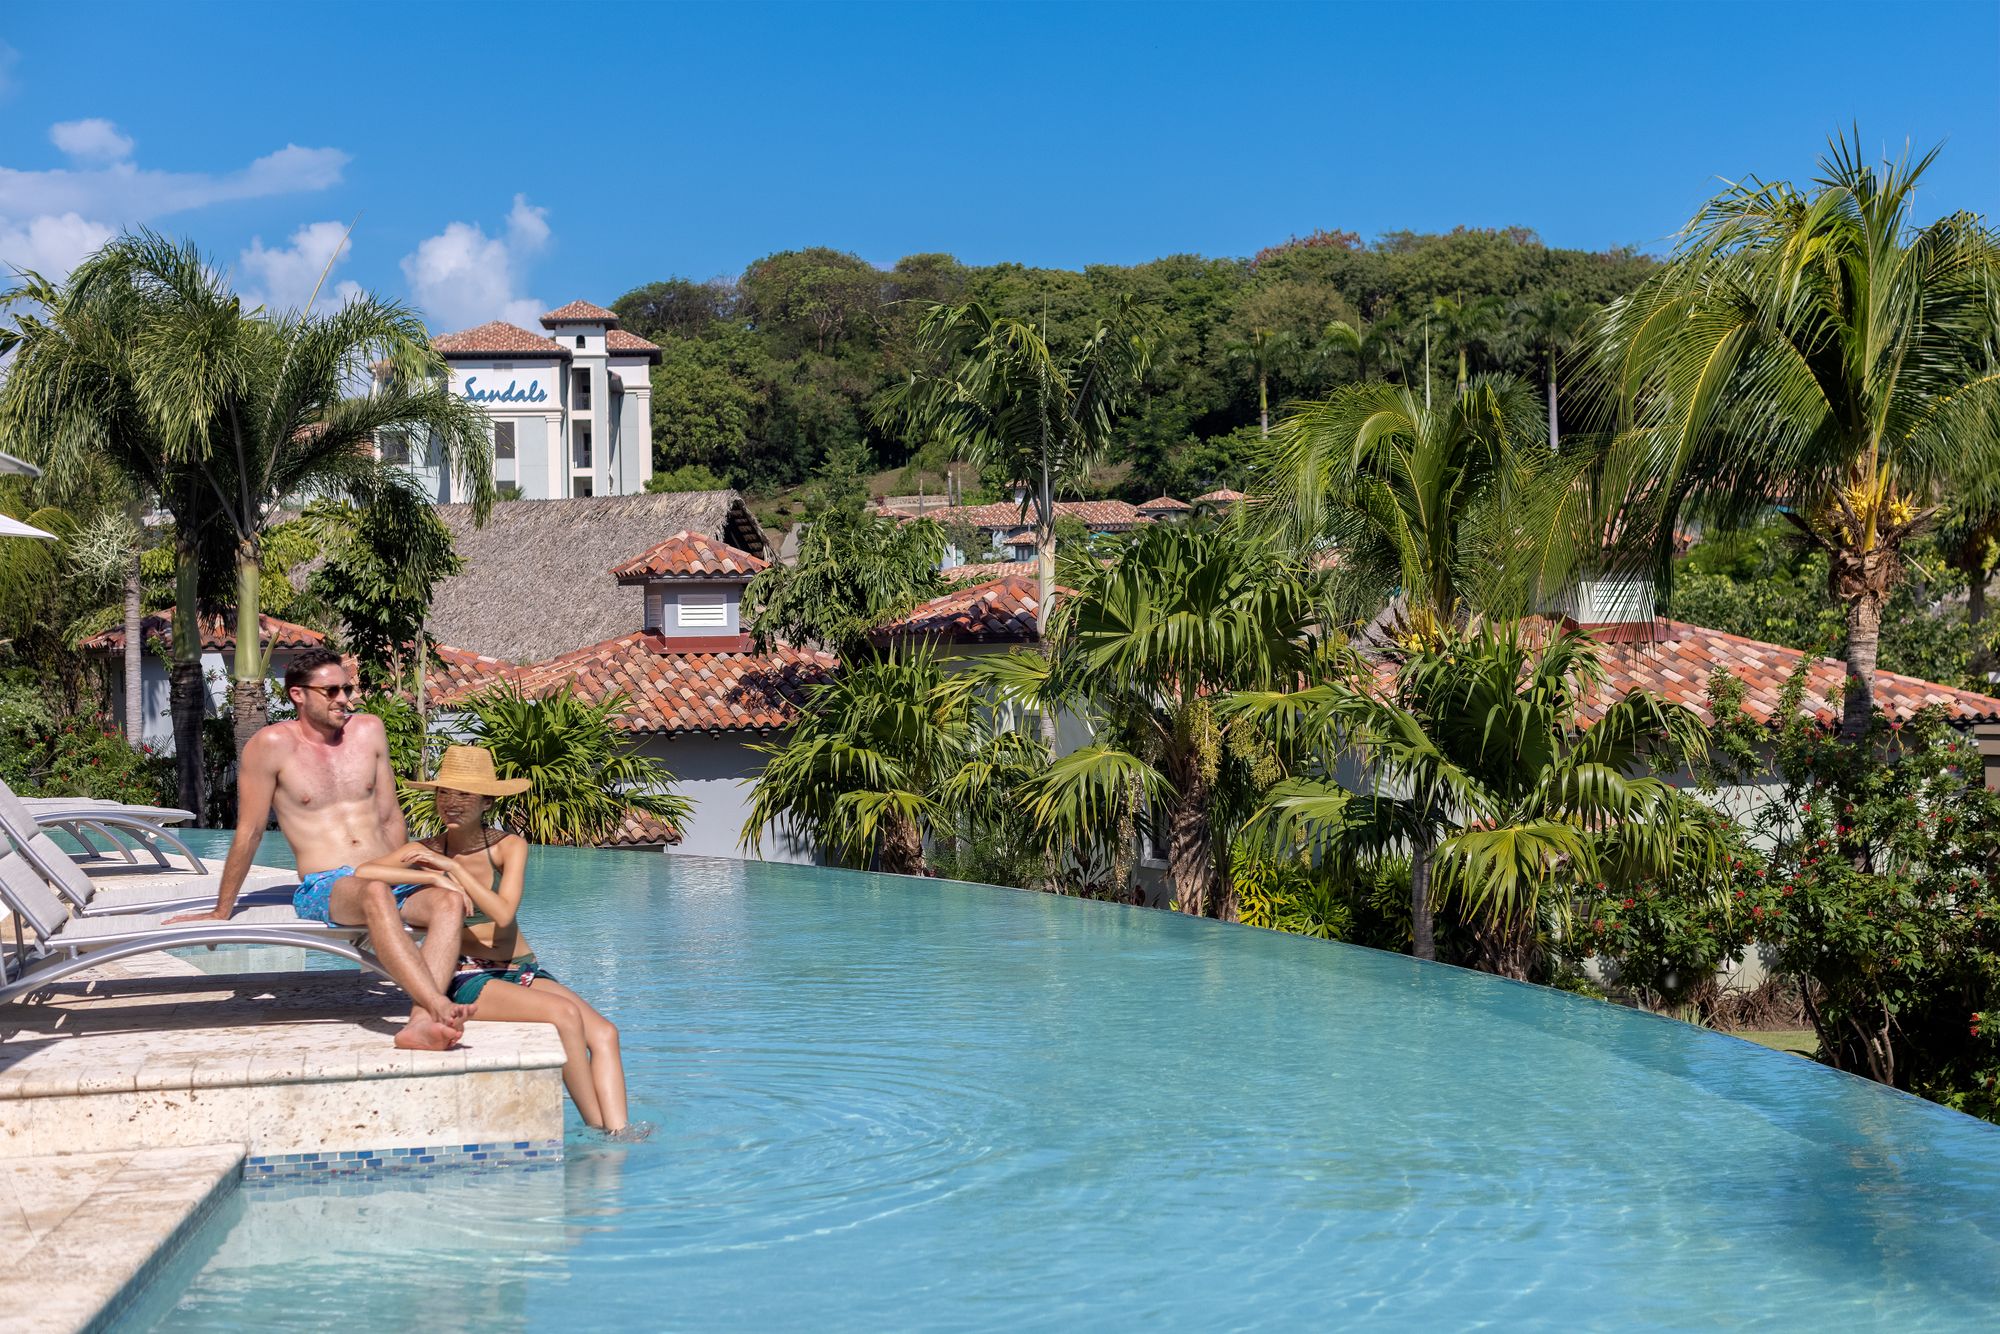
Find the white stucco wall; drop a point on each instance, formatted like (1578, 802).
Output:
(713, 773)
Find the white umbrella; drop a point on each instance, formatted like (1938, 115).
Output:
(15, 528)
(8, 463)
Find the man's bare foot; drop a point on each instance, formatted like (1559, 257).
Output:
(424, 1033)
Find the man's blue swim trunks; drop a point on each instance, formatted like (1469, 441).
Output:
(314, 897)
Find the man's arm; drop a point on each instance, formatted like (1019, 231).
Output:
(256, 782)
(395, 832)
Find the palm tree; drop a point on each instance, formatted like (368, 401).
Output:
(72, 402)
(1262, 350)
(893, 751)
(105, 552)
(1483, 774)
(266, 408)
(1461, 325)
(1817, 350)
(1454, 509)
(1144, 648)
(1008, 399)
(1547, 323)
(1364, 341)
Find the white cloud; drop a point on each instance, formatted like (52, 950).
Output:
(462, 276)
(283, 277)
(46, 215)
(49, 245)
(92, 140)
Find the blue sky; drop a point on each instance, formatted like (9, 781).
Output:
(502, 159)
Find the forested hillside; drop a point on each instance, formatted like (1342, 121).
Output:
(763, 375)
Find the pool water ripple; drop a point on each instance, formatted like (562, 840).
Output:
(893, 1104)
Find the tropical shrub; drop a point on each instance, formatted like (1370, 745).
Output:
(88, 758)
(1882, 896)
(587, 774)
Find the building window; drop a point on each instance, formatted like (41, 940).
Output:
(579, 340)
(395, 447)
(579, 486)
(580, 450)
(503, 453)
(703, 609)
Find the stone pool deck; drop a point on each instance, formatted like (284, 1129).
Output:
(133, 1096)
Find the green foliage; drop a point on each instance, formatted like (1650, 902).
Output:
(762, 376)
(587, 774)
(50, 752)
(1880, 897)
(1480, 768)
(687, 477)
(855, 569)
(383, 561)
(1765, 583)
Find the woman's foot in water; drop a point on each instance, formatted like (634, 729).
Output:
(631, 1133)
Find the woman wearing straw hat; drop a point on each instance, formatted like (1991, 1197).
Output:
(498, 971)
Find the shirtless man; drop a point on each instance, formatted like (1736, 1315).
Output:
(327, 774)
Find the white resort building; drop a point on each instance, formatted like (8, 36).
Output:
(571, 408)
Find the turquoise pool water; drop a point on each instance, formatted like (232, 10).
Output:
(895, 1104)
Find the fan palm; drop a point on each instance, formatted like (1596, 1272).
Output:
(1817, 350)
(1011, 401)
(1144, 648)
(1484, 774)
(894, 750)
(1456, 509)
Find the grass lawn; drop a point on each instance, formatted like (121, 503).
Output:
(1799, 1040)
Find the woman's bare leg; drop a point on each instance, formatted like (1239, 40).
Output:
(511, 1003)
(607, 1063)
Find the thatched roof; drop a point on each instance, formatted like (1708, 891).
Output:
(537, 580)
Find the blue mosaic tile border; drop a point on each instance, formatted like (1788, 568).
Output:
(184, 1231)
(366, 1162)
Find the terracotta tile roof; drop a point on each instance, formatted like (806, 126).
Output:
(1164, 505)
(999, 611)
(982, 570)
(497, 338)
(670, 688)
(1103, 516)
(458, 673)
(579, 312)
(688, 555)
(1223, 497)
(1678, 661)
(218, 634)
(641, 830)
(617, 340)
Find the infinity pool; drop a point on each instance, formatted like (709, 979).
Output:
(891, 1104)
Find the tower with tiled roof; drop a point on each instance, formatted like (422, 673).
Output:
(570, 406)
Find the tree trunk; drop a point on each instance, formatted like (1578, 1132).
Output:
(248, 703)
(135, 653)
(1506, 948)
(1045, 585)
(1976, 574)
(187, 692)
(1188, 866)
(1864, 643)
(1263, 404)
(902, 846)
(1422, 943)
(1553, 436)
(1464, 381)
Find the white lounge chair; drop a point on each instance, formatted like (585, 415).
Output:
(51, 943)
(87, 822)
(161, 815)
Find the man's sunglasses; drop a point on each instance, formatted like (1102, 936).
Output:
(335, 692)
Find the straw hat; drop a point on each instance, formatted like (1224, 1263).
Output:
(470, 769)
